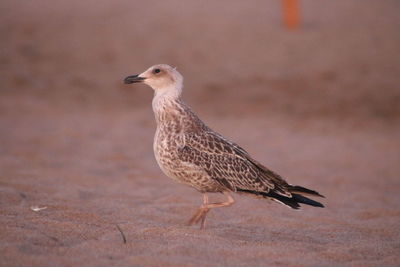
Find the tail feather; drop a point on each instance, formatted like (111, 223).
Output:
(294, 201)
(290, 202)
(307, 201)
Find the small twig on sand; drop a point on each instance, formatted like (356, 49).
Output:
(122, 234)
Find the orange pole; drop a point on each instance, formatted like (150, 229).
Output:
(291, 13)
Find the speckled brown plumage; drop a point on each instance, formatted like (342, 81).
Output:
(191, 153)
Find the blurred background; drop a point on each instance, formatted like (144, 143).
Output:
(318, 103)
(341, 62)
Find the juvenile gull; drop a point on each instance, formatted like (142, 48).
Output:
(191, 153)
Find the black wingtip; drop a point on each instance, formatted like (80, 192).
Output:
(303, 190)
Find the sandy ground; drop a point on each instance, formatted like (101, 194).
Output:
(319, 105)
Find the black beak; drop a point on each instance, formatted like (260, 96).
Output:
(134, 79)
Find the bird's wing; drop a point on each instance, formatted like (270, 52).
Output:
(229, 164)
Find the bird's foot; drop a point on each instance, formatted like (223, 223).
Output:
(200, 215)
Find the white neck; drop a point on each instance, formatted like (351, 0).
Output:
(164, 96)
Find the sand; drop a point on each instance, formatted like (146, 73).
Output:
(319, 105)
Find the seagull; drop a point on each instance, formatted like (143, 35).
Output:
(190, 152)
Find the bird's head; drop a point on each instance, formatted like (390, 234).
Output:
(162, 78)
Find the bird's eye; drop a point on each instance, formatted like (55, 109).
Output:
(156, 71)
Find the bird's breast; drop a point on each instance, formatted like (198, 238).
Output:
(166, 145)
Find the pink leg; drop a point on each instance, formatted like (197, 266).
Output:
(206, 207)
